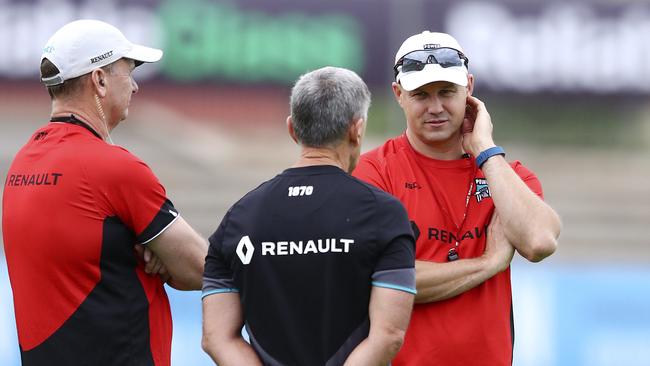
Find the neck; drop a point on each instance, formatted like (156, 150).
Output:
(310, 156)
(450, 149)
(87, 113)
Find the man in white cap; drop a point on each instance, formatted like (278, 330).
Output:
(78, 213)
(469, 208)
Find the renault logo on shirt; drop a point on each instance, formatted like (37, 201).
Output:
(302, 247)
(245, 248)
(245, 244)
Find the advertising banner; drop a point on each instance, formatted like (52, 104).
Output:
(513, 46)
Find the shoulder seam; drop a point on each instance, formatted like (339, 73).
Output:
(368, 188)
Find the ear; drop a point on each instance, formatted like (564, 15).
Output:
(292, 132)
(470, 84)
(99, 80)
(397, 91)
(356, 131)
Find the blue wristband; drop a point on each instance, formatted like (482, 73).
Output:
(486, 154)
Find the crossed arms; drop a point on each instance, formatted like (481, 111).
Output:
(178, 256)
(522, 221)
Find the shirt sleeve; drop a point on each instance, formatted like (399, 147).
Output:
(133, 194)
(218, 276)
(395, 268)
(369, 171)
(529, 178)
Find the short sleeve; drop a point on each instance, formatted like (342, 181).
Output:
(369, 171)
(217, 275)
(133, 193)
(529, 178)
(395, 268)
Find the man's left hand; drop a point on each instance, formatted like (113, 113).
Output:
(476, 128)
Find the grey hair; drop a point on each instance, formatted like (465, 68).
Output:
(325, 102)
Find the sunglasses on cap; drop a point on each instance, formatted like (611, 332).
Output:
(416, 60)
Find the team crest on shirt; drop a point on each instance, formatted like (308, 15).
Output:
(482, 190)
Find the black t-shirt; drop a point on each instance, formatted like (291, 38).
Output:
(304, 250)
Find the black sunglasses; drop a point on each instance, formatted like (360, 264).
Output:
(416, 60)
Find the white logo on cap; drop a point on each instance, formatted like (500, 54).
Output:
(245, 243)
(429, 46)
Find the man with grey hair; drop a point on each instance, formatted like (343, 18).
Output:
(316, 264)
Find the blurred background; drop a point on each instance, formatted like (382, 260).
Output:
(567, 84)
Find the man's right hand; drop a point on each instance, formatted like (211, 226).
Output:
(182, 252)
(152, 264)
(441, 281)
(498, 250)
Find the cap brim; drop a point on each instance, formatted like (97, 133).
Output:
(144, 54)
(432, 73)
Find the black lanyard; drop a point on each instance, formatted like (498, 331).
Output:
(75, 121)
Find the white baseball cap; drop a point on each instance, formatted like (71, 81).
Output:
(81, 46)
(432, 71)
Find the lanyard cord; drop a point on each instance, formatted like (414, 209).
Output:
(75, 121)
(453, 252)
